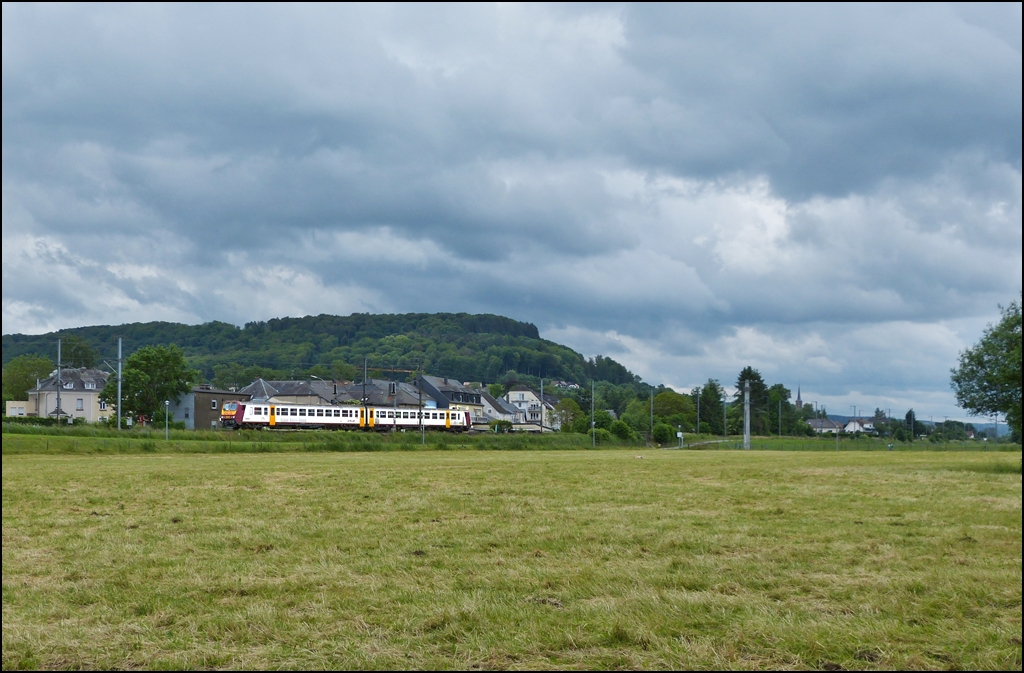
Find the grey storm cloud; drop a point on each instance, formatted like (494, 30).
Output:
(829, 193)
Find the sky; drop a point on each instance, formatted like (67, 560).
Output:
(830, 194)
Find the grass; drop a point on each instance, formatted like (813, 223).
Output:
(512, 559)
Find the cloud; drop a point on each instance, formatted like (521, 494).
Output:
(832, 194)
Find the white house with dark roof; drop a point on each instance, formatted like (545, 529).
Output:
(528, 403)
(79, 392)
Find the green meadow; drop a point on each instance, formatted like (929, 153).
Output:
(171, 556)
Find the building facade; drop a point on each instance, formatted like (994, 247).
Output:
(78, 391)
(200, 408)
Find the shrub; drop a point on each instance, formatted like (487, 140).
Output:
(620, 430)
(663, 433)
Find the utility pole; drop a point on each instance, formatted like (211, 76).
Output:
(118, 384)
(419, 387)
(366, 417)
(780, 418)
(542, 407)
(746, 415)
(725, 417)
(60, 383)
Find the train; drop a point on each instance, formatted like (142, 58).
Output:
(270, 415)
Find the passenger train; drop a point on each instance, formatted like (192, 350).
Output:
(298, 416)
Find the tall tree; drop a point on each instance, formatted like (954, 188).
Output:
(151, 375)
(21, 374)
(988, 378)
(758, 397)
(711, 396)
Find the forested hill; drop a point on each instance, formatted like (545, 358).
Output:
(467, 347)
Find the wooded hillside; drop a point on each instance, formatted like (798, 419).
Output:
(485, 348)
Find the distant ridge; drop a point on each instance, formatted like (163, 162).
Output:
(468, 347)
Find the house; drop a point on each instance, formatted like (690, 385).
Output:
(382, 393)
(862, 425)
(16, 407)
(310, 393)
(498, 409)
(78, 391)
(824, 426)
(456, 396)
(201, 407)
(528, 403)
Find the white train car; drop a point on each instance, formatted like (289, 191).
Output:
(299, 416)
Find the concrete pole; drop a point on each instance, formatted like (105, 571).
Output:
(119, 384)
(746, 415)
(60, 383)
(542, 406)
(593, 424)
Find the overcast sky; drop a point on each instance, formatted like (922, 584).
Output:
(831, 194)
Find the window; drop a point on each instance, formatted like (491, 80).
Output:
(337, 413)
(302, 412)
(90, 386)
(213, 404)
(103, 405)
(319, 412)
(186, 414)
(294, 412)
(79, 404)
(70, 385)
(405, 414)
(391, 414)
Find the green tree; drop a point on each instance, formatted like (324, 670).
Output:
(620, 430)
(567, 412)
(711, 396)
(988, 378)
(21, 373)
(151, 375)
(496, 390)
(758, 398)
(663, 433)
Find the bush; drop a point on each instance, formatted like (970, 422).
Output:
(620, 430)
(663, 433)
(602, 436)
(501, 426)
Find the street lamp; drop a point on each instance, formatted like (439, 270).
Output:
(167, 416)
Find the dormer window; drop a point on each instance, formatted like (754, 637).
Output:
(70, 385)
(90, 386)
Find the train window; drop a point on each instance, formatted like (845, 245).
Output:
(302, 412)
(319, 412)
(405, 414)
(391, 414)
(337, 413)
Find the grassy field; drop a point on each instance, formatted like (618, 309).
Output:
(512, 559)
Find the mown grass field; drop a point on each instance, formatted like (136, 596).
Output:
(634, 558)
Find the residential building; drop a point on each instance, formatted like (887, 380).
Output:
(311, 393)
(824, 426)
(456, 396)
(863, 425)
(498, 409)
(16, 407)
(201, 407)
(79, 392)
(528, 403)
